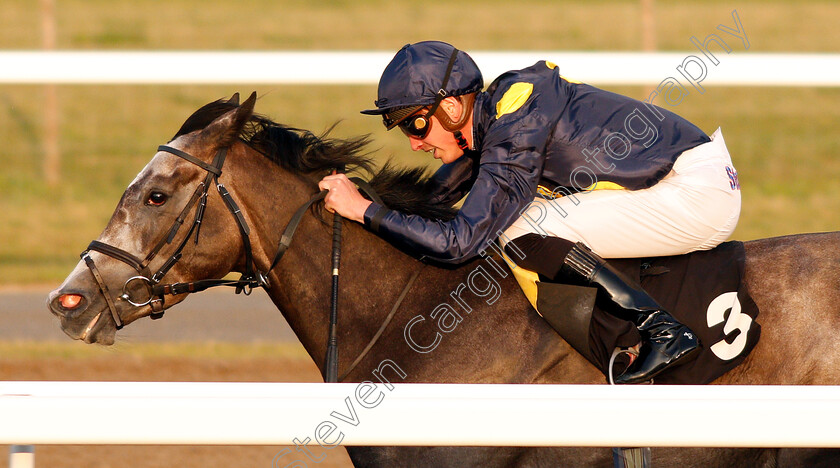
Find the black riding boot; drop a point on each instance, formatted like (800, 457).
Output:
(664, 339)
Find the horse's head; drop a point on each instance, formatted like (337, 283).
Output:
(157, 222)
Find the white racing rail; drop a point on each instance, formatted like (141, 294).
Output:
(738, 68)
(161, 413)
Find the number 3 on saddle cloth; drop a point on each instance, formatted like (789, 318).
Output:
(718, 308)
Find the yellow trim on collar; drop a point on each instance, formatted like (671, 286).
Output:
(513, 98)
(553, 65)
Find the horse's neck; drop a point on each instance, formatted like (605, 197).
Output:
(374, 272)
(372, 275)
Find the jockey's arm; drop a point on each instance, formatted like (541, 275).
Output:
(511, 162)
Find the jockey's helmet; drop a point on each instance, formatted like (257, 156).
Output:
(423, 74)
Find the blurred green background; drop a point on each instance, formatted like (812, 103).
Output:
(783, 139)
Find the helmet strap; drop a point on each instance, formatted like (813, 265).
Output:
(443, 117)
(462, 142)
(441, 94)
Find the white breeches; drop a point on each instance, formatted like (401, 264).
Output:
(695, 207)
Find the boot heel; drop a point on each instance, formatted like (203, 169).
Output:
(665, 342)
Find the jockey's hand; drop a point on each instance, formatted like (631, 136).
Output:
(343, 197)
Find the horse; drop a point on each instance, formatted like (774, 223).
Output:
(402, 319)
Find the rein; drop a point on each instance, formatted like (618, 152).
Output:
(250, 279)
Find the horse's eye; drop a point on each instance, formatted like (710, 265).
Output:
(156, 199)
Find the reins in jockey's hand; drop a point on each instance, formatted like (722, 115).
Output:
(294, 222)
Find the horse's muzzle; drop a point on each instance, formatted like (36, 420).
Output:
(67, 304)
(72, 308)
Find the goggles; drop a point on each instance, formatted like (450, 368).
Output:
(394, 117)
(416, 125)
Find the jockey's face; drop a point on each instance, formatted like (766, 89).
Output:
(439, 141)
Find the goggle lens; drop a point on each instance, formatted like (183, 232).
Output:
(417, 126)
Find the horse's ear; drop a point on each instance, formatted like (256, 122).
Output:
(249, 103)
(234, 99)
(226, 129)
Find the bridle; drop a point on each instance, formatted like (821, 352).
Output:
(250, 279)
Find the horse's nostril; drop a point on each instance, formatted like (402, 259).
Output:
(70, 301)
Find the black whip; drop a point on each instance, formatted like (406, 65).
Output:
(331, 359)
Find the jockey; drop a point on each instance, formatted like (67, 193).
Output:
(566, 172)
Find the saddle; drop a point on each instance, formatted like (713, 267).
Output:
(704, 290)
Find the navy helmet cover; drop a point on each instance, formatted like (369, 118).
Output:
(415, 74)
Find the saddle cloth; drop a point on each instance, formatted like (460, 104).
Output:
(704, 290)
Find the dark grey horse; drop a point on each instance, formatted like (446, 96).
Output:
(467, 324)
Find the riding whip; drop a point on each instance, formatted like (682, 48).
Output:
(331, 359)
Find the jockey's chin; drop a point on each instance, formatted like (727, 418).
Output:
(439, 142)
(448, 156)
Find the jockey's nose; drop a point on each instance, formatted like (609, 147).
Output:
(416, 143)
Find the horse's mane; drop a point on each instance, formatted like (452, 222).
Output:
(300, 151)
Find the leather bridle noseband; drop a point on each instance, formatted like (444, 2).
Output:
(250, 279)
